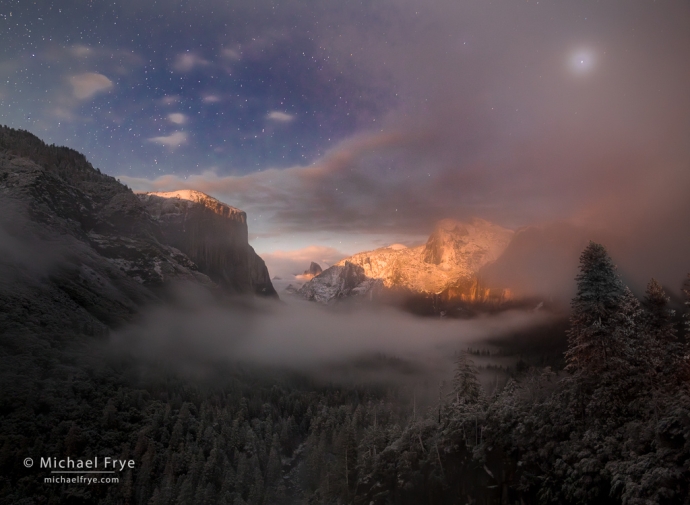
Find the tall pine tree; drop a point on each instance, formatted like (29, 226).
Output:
(466, 387)
(658, 317)
(665, 350)
(592, 336)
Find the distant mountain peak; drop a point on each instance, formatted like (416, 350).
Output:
(452, 256)
(314, 269)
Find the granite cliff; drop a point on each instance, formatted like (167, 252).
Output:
(213, 235)
(448, 265)
(80, 252)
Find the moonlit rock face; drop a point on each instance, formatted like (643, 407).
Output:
(339, 281)
(192, 196)
(183, 194)
(170, 203)
(453, 254)
(213, 234)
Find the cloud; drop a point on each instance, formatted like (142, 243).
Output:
(285, 264)
(281, 117)
(81, 51)
(88, 84)
(116, 60)
(185, 62)
(210, 98)
(327, 255)
(337, 193)
(63, 114)
(173, 140)
(170, 99)
(231, 54)
(177, 118)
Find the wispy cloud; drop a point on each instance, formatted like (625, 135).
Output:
(88, 84)
(185, 62)
(63, 114)
(210, 98)
(170, 99)
(338, 192)
(177, 118)
(173, 140)
(81, 51)
(230, 54)
(287, 263)
(279, 116)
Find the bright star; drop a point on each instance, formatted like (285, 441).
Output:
(582, 61)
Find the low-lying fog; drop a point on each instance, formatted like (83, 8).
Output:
(335, 343)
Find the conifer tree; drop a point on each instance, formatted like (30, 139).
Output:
(466, 387)
(591, 338)
(658, 317)
(629, 336)
(664, 349)
(629, 373)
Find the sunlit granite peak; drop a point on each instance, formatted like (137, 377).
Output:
(451, 257)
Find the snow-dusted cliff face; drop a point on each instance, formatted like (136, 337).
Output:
(346, 280)
(81, 253)
(213, 234)
(447, 264)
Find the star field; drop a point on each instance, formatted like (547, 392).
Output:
(147, 89)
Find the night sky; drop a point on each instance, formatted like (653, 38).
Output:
(346, 125)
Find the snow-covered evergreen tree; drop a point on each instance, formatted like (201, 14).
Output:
(629, 374)
(668, 353)
(591, 338)
(466, 387)
(658, 317)
(627, 326)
